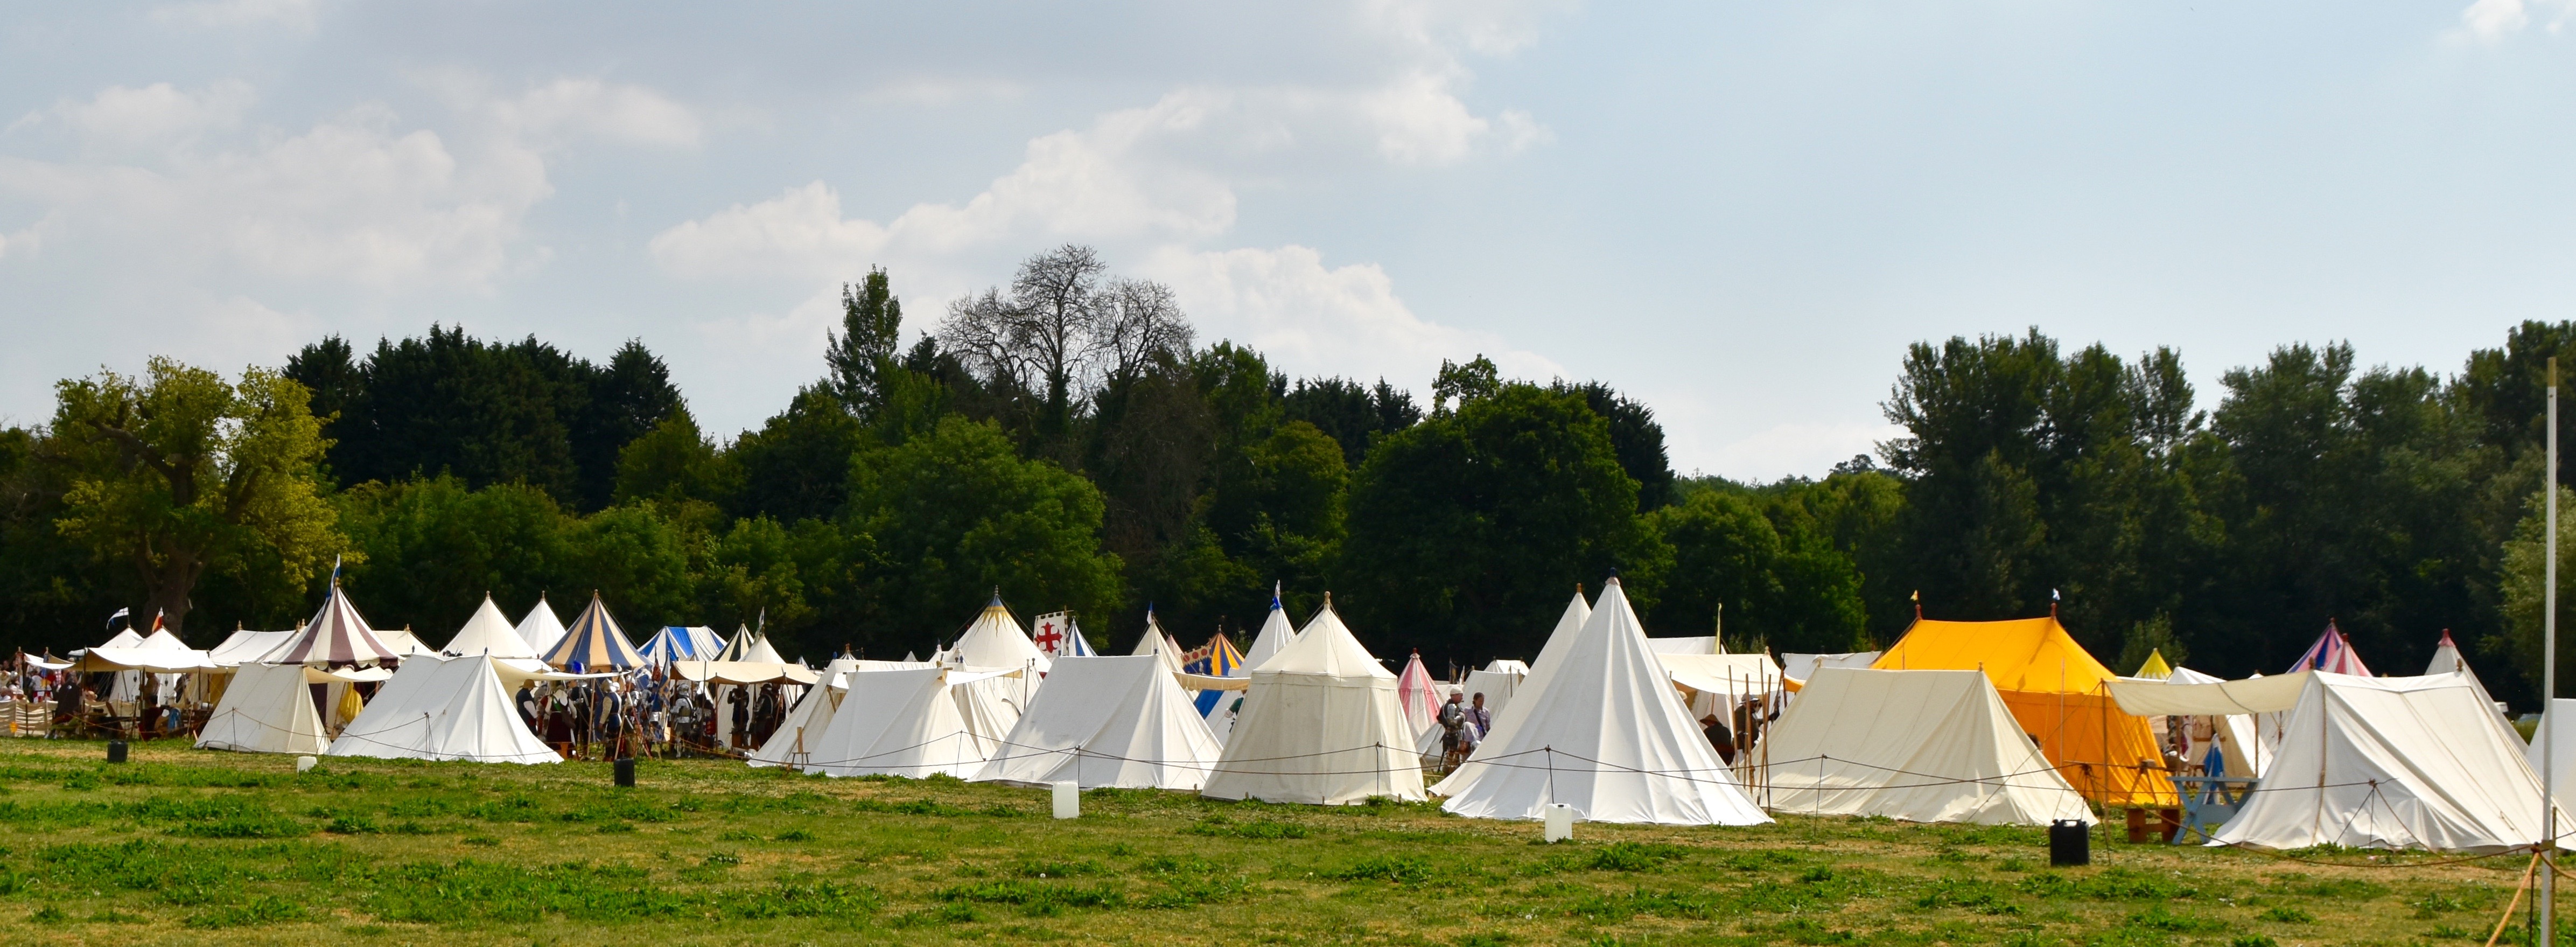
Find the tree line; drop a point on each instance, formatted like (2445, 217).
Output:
(1065, 439)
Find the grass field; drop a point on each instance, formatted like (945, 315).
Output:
(183, 846)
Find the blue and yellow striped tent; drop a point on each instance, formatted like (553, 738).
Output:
(594, 643)
(1217, 658)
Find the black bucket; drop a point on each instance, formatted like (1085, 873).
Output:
(2069, 843)
(116, 751)
(625, 771)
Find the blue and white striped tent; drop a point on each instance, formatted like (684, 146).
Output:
(594, 643)
(683, 643)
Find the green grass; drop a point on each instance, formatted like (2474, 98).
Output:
(183, 846)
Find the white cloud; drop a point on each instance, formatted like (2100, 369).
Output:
(158, 115)
(1308, 318)
(625, 114)
(798, 233)
(292, 14)
(2492, 20)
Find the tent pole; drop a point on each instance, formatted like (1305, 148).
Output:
(2549, 684)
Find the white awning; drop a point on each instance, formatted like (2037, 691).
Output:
(2254, 695)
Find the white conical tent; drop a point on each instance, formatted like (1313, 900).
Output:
(1922, 746)
(2393, 762)
(1276, 633)
(1155, 642)
(489, 632)
(1108, 721)
(1319, 725)
(762, 652)
(900, 723)
(437, 708)
(266, 709)
(1599, 728)
(2447, 660)
(540, 628)
(996, 641)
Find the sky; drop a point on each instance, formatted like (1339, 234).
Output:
(1738, 213)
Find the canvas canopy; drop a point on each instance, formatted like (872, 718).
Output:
(1798, 667)
(1107, 721)
(246, 645)
(2393, 762)
(1276, 633)
(540, 628)
(2235, 734)
(1599, 728)
(747, 672)
(268, 708)
(1922, 746)
(336, 635)
(1319, 725)
(489, 632)
(1703, 644)
(594, 643)
(2258, 695)
(2058, 692)
(913, 723)
(437, 708)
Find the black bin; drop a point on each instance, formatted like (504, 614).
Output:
(625, 771)
(116, 751)
(2069, 843)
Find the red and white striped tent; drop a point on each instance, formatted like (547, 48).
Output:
(1419, 695)
(594, 643)
(2332, 652)
(336, 635)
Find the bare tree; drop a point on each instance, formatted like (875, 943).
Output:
(1065, 329)
(1138, 322)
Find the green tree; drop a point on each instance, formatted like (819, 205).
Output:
(1467, 531)
(956, 513)
(1783, 583)
(180, 474)
(432, 548)
(674, 465)
(638, 562)
(797, 466)
(863, 353)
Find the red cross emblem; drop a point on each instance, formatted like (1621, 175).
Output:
(1048, 638)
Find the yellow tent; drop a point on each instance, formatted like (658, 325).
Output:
(2059, 693)
(2155, 666)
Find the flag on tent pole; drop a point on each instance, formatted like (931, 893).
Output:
(1053, 633)
(120, 613)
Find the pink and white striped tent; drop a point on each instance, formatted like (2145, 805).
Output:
(1419, 695)
(336, 635)
(2332, 652)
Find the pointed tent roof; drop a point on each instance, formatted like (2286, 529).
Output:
(124, 639)
(2393, 762)
(1568, 624)
(2447, 660)
(762, 653)
(1155, 642)
(1216, 658)
(489, 632)
(439, 708)
(162, 640)
(336, 635)
(995, 640)
(2332, 652)
(1418, 695)
(247, 645)
(1107, 721)
(594, 643)
(1600, 730)
(540, 628)
(900, 723)
(1922, 746)
(2155, 667)
(404, 643)
(1276, 633)
(1319, 725)
(682, 643)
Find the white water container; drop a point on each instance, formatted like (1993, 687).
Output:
(1068, 799)
(1560, 822)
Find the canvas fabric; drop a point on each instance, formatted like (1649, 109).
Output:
(540, 628)
(266, 709)
(489, 632)
(1108, 721)
(438, 708)
(1922, 746)
(2059, 693)
(1319, 725)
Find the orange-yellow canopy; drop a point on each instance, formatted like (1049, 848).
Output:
(2058, 693)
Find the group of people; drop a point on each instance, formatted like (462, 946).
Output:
(67, 703)
(1463, 726)
(647, 714)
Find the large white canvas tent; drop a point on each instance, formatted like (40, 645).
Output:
(996, 641)
(2393, 762)
(1922, 746)
(489, 632)
(2447, 660)
(540, 628)
(268, 708)
(1319, 725)
(903, 723)
(811, 715)
(1599, 728)
(1107, 721)
(2565, 762)
(246, 646)
(436, 708)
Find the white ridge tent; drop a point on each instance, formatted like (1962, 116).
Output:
(437, 708)
(1319, 725)
(903, 723)
(2447, 660)
(489, 632)
(807, 720)
(1498, 680)
(266, 709)
(246, 646)
(1599, 728)
(1107, 721)
(2392, 762)
(1797, 666)
(1922, 746)
(540, 628)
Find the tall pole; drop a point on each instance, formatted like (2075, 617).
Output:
(2549, 681)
